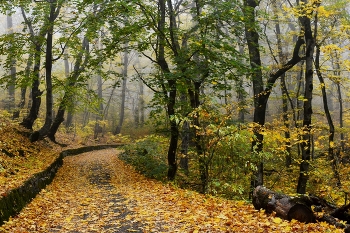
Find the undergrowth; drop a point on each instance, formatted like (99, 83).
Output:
(148, 156)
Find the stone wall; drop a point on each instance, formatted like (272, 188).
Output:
(13, 201)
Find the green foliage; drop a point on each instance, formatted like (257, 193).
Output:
(148, 156)
(226, 151)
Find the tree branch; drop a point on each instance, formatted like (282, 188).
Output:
(144, 82)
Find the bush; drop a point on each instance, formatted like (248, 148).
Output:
(148, 156)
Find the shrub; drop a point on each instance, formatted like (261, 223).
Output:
(148, 156)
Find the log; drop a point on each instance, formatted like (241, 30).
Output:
(285, 206)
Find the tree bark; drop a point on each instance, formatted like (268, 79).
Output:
(337, 83)
(11, 87)
(24, 88)
(69, 119)
(260, 104)
(341, 121)
(281, 60)
(141, 104)
(98, 129)
(184, 147)
(331, 154)
(171, 89)
(123, 96)
(307, 109)
(68, 97)
(301, 208)
(43, 131)
(285, 206)
(35, 92)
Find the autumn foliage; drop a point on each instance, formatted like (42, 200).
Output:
(97, 192)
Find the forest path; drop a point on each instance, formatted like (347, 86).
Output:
(97, 192)
(81, 198)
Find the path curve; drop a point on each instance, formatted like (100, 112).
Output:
(81, 198)
(97, 192)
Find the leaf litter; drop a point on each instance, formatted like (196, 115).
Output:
(97, 192)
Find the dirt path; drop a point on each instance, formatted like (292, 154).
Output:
(80, 199)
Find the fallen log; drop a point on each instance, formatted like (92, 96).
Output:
(299, 208)
(285, 206)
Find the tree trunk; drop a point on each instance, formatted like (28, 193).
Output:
(184, 147)
(331, 154)
(125, 78)
(98, 128)
(136, 113)
(286, 207)
(241, 94)
(281, 58)
(68, 97)
(252, 38)
(141, 104)
(301, 208)
(171, 89)
(341, 122)
(337, 83)
(24, 88)
(174, 136)
(69, 119)
(306, 143)
(44, 130)
(48, 75)
(261, 95)
(35, 92)
(11, 87)
(193, 92)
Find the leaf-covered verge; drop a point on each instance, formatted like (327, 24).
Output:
(19, 158)
(97, 192)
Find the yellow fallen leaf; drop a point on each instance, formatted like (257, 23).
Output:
(277, 220)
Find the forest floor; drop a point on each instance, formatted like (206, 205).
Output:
(97, 192)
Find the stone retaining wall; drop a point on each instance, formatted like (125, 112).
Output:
(13, 201)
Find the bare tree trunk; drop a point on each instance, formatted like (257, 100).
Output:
(69, 119)
(171, 89)
(184, 147)
(284, 206)
(337, 83)
(68, 98)
(35, 100)
(331, 154)
(24, 88)
(306, 143)
(281, 60)
(35, 92)
(141, 104)
(125, 78)
(98, 129)
(341, 122)
(11, 88)
(54, 12)
(252, 38)
(241, 94)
